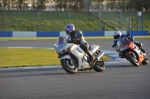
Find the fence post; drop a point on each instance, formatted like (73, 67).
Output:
(87, 6)
(121, 19)
(69, 14)
(139, 13)
(99, 16)
(93, 9)
(5, 18)
(129, 23)
(137, 23)
(142, 21)
(38, 19)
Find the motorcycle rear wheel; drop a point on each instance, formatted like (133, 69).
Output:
(133, 59)
(69, 68)
(100, 66)
(145, 61)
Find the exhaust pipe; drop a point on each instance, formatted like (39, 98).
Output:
(99, 55)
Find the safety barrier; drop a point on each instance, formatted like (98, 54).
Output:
(62, 33)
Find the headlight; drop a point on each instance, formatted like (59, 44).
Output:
(59, 49)
(121, 49)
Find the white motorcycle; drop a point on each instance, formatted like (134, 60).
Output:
(74, 59)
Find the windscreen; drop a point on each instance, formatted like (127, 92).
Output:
(121, 41)
(60, 41)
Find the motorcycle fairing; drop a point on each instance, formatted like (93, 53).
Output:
(131, 47)
(94, 48)
(78, 52)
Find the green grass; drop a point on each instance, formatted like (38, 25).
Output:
(24, 57)
(55, 21)
(27, 57)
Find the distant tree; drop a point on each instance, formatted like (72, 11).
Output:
(0, 6)
(139, 5)
(33, 7)
(129, 6)
(98, 1)
(41, 4)
(13, 4)
(25, 6)
(80, 5)
(75, 5)
(5, 3)
(112, 4)
(123, 5)
(146, 5)
(20, 4)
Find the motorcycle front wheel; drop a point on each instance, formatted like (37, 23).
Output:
(69, 66)
(133, 59)
(99, 66)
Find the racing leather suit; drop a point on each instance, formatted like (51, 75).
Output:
(132, 39)
(76, 37)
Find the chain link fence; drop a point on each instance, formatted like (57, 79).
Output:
(95, 19)
(117, 20)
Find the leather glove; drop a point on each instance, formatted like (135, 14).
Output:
(131, 40)
(113, 45)
(128, 34)
(75, 40)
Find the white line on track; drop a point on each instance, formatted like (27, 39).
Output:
(4, 40)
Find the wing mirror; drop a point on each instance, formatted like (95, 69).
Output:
(55, 46)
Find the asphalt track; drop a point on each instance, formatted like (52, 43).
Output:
(120, 80)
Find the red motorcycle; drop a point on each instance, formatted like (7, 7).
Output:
(131, 52)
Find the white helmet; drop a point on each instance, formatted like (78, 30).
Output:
(117, 35)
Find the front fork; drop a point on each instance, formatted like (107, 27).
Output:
(138, 56)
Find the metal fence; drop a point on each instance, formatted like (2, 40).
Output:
(117, 19)
(92, 20)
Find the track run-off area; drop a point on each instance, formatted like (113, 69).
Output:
(120, 80)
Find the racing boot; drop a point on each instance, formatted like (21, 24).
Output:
(91, 57)
(140, 45)
(143, 50)
(120, 55)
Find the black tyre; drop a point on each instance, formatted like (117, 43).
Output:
(68, 67)
(145, 61)
(133, 59)
(99, 66)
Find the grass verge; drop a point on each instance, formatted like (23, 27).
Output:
(16, 20)
(20, 57)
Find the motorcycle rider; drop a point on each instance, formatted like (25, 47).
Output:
(76, 37)
(118, 35)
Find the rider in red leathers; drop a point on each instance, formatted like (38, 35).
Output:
(118, 35)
